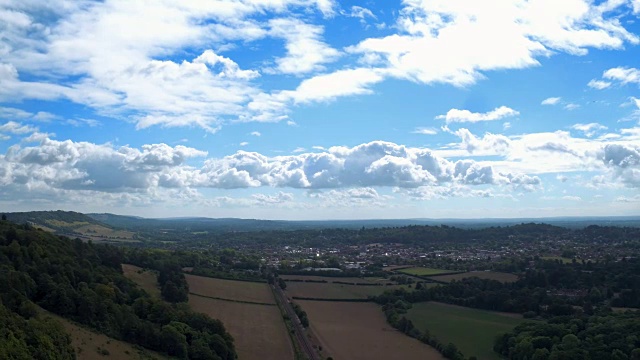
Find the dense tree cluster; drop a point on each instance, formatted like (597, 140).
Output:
(84, 282)
(605, 336)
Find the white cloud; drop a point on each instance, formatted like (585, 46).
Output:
(572, 198)
(255, 133)
(456, 115)
(598, 84)
(361, 13)
(551, 101)
(306, 52)
(244, 143)
(425, 131)
(298, 150)
(456, 41)
(589, 129)
(571, 106)
(623, 75)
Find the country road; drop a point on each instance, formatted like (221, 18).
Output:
(299, 331)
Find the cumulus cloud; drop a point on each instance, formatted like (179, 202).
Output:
(589, 129)
(624, 161)
(551, 101)
(456, 115)
(306, 52)
(598, 84)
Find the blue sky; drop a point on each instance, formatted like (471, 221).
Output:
(321, 109)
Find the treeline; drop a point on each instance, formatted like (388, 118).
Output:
(395, 311)
(84, 282)
(606, 336)
(302, 315)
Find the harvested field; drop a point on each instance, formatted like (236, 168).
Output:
(335, 291)
(259, 330)
(87, 343)
(489, 275)
(471, 330)
(230, 289)
(146, 279)
(423, 271)
(367, 280)
(359, 331)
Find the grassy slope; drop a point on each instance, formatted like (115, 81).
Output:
(472, 331)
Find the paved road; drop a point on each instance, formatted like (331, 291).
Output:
(301, 336)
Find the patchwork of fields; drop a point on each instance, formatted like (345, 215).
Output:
(359, 331)
(230, 289)
(258, 330)
(472, 331)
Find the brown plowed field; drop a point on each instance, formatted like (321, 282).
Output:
(258, 330)
(359, 331)
(230, 289)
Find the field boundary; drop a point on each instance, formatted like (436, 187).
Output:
(198, 273)
(232, 300)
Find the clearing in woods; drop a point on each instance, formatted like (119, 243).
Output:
(359, 331)
(146, 279)
(90, 345)
(471, 330)
(489, 275)
(230, 289)
(258, 330)
(423, 271)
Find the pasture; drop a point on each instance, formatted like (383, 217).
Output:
(258, 330)
(423, 271)
(472, 331)
(230, 289)
(146, 279)
(359, 331)
(365, 280)
(489, 275)
(334, 291)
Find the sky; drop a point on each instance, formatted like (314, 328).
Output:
(321, 109)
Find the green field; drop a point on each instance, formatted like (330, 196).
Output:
(422, 271)
(563, 259)
(472, 331)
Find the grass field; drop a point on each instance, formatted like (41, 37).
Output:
(146, 279)
(359, 331)
(87, 343)
(490, 275)
(472, 331)
(396, 267)
(335, 291)
(230, 289)
(259, 330)
(367, 280)
(422, 271)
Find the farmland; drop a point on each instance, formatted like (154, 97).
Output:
(146, 279)
(243, 291)
(357, 280)
(489, 275)
(472, 331)
(355, 331)
(422, 271)
(335, 291)
(258, 330)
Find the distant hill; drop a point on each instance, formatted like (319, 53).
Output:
(196, 224)
(72, 224)
(54, 220)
